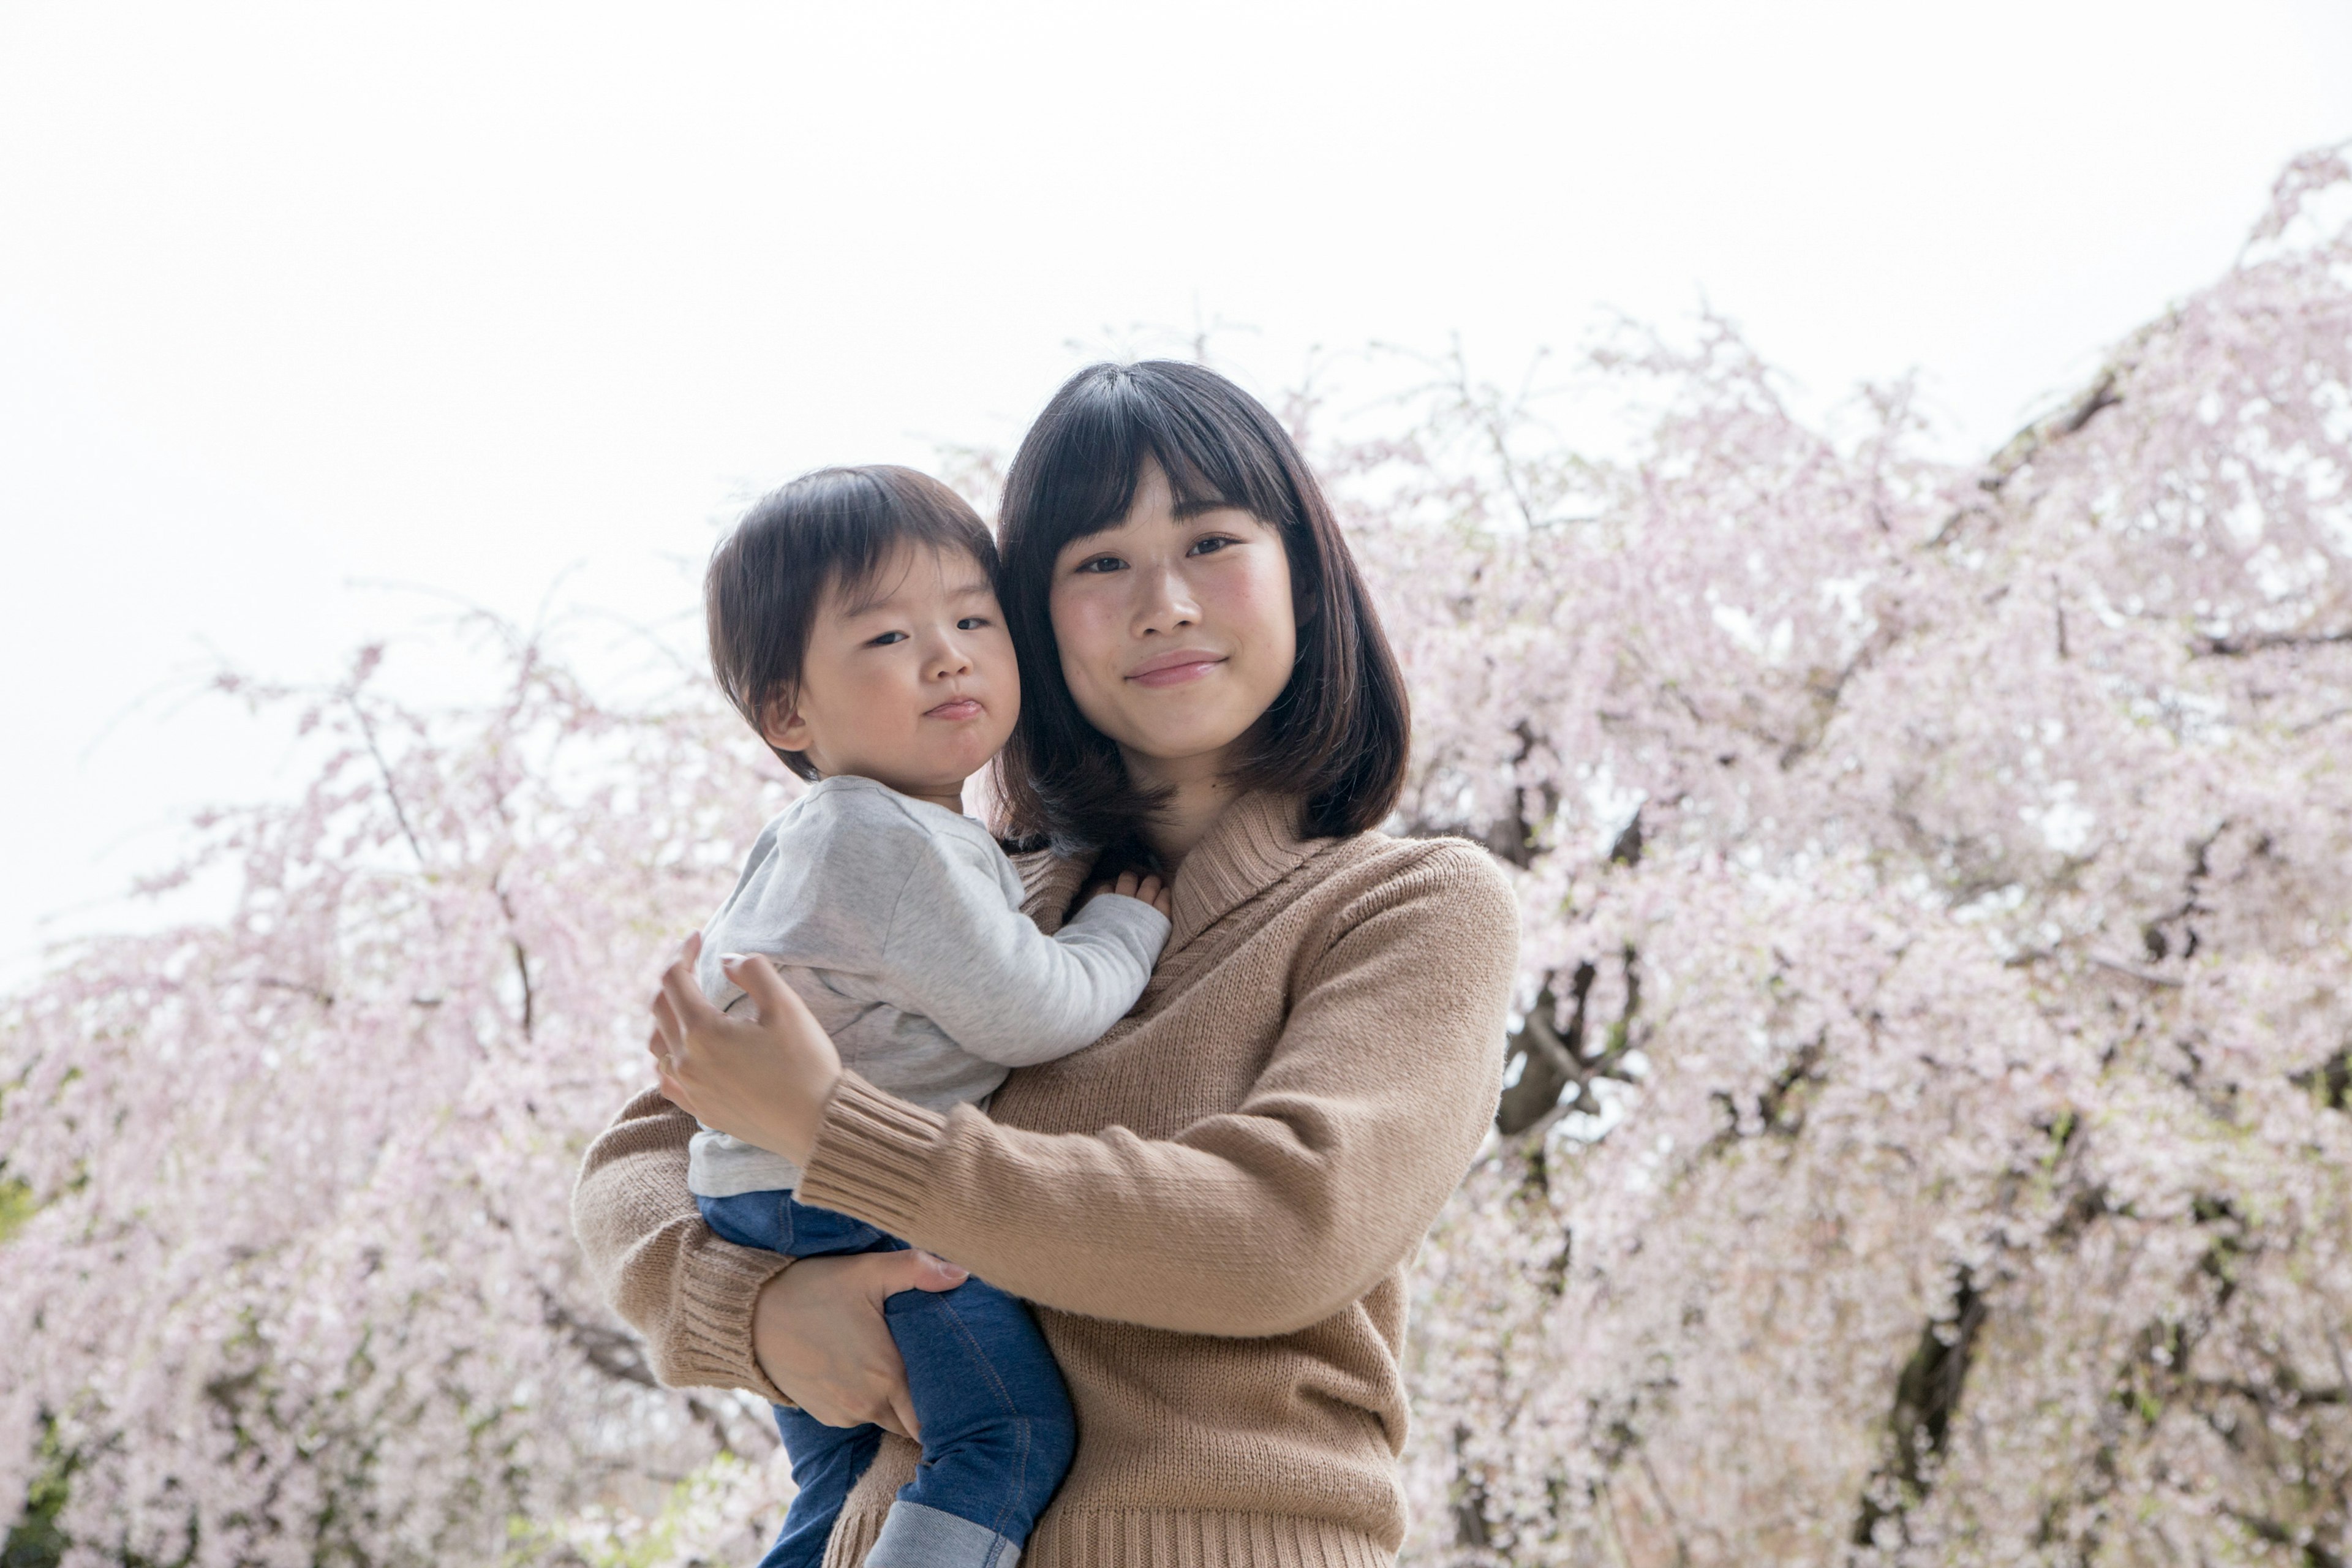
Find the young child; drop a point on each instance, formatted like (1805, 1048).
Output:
(854, 621)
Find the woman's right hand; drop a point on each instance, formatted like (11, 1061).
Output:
(818, 1331)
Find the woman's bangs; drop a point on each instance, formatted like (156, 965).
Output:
(1202, 475)
(1214, 457)
(1085, 480)
(1089, 480)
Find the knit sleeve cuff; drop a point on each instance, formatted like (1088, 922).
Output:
(710, 1341)
(871, 1155)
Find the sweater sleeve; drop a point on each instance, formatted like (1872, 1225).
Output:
(687, 1292)
(1259, 1221)
(962, 956)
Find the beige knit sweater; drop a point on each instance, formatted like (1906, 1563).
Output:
(1212, 1208)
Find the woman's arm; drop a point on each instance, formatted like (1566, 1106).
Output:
(690, 1293)
(1260, 1221)
(716, 1315)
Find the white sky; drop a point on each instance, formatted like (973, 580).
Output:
(296, 300)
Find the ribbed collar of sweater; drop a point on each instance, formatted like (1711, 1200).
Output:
(1253, 844)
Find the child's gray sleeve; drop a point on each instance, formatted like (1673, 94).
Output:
(1001, 989)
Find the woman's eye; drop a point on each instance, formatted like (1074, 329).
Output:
(1210, 546)
(1101, 563)
(887, 638)
(971, 623)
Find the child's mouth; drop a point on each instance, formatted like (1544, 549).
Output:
(961, 707)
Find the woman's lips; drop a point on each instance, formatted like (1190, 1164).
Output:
(961, 707)
(1175, 669)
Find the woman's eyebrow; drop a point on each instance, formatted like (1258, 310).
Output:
(1184, 510)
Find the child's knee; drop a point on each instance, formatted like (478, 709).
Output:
(1052, 1424)
(1057, 1439)
(1052, 1441)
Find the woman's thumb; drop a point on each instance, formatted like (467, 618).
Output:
(759, 980)
(919, 1270)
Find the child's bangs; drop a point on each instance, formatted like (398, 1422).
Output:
(907, 511)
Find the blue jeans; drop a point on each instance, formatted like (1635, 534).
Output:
(998, 1433)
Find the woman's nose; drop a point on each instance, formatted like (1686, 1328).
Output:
(1165, 602)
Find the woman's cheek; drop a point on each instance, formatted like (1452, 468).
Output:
(1256, 606)
(1087, 646)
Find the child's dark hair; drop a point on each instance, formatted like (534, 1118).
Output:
(827, 532)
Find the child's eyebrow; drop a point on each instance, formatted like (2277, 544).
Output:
(867, 603)
(871, 602)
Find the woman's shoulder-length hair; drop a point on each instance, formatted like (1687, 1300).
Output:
(1338, 734)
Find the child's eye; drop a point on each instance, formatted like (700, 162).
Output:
(971, 623)
(886, 639)
(1102, 564)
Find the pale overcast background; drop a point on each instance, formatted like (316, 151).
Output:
(299, 301)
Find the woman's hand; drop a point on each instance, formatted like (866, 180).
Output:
(764, 1079)
(819, 1334)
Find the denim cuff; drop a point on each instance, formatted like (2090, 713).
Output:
(914, 1536)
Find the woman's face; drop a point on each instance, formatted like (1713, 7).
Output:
(1176, 633)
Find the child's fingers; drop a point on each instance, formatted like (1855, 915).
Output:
(1128, 882)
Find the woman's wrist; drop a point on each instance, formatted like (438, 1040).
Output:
(768, 1326)
(801, 1120)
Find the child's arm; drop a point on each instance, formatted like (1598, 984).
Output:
(1000, 987)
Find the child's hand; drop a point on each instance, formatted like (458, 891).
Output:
(765, 1079)
(1135, 885)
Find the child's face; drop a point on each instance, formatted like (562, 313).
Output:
(910, 682)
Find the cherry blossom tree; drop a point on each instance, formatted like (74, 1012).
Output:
(1928, 1136)
(298, 1285)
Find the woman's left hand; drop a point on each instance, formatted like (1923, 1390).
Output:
(764, 1079)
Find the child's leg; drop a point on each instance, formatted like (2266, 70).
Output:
(826, 1462)
(778, 1222)
(998, 1433)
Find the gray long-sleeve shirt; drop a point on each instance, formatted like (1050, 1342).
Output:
(899, 924)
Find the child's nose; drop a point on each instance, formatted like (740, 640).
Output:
(954, 658)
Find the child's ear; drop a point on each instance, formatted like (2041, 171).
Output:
(784, 728)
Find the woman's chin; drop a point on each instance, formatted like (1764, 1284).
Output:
(1163, 753)
(1177, 727)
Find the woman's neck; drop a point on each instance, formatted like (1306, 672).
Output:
(1199, 789)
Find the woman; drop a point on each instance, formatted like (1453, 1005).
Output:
(1212, 1209)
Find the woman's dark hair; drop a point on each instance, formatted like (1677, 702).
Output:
(827, 532)
(1336, 736)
